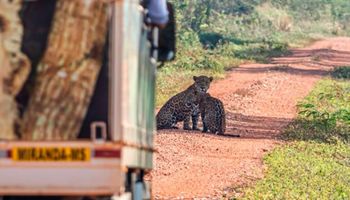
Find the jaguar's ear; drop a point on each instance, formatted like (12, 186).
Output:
(195, 78)
(211, 79)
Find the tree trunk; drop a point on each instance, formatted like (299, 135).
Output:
(7, 108)
(67, 74)
(14, 66)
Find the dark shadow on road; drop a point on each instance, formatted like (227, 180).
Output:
(317, 62)
(317, 57)
(255, 126)
(285, 69)
(241, 126)
(301, 62)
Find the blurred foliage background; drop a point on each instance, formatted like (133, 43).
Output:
(214, 36)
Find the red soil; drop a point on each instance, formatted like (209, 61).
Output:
(260, 100)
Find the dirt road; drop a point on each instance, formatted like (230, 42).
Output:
(260, 100)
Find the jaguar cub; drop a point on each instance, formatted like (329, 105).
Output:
(183, 106)
(212, 113)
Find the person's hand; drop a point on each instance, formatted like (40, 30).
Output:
(161, 26)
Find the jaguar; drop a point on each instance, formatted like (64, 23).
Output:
(183, 106)
(212, 113)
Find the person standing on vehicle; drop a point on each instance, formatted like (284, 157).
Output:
(157, 12)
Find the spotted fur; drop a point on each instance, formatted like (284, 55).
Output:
(183, 106)
(213, 114)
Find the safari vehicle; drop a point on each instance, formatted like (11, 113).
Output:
(115, 144)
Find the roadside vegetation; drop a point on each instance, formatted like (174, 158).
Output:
(315, 164)
(305, 170)
(214, 36)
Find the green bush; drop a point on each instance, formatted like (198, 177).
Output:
(341, 73)
(211, 40)
(260, 51)
(324, 115)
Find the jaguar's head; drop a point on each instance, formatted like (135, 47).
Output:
(202, 83)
